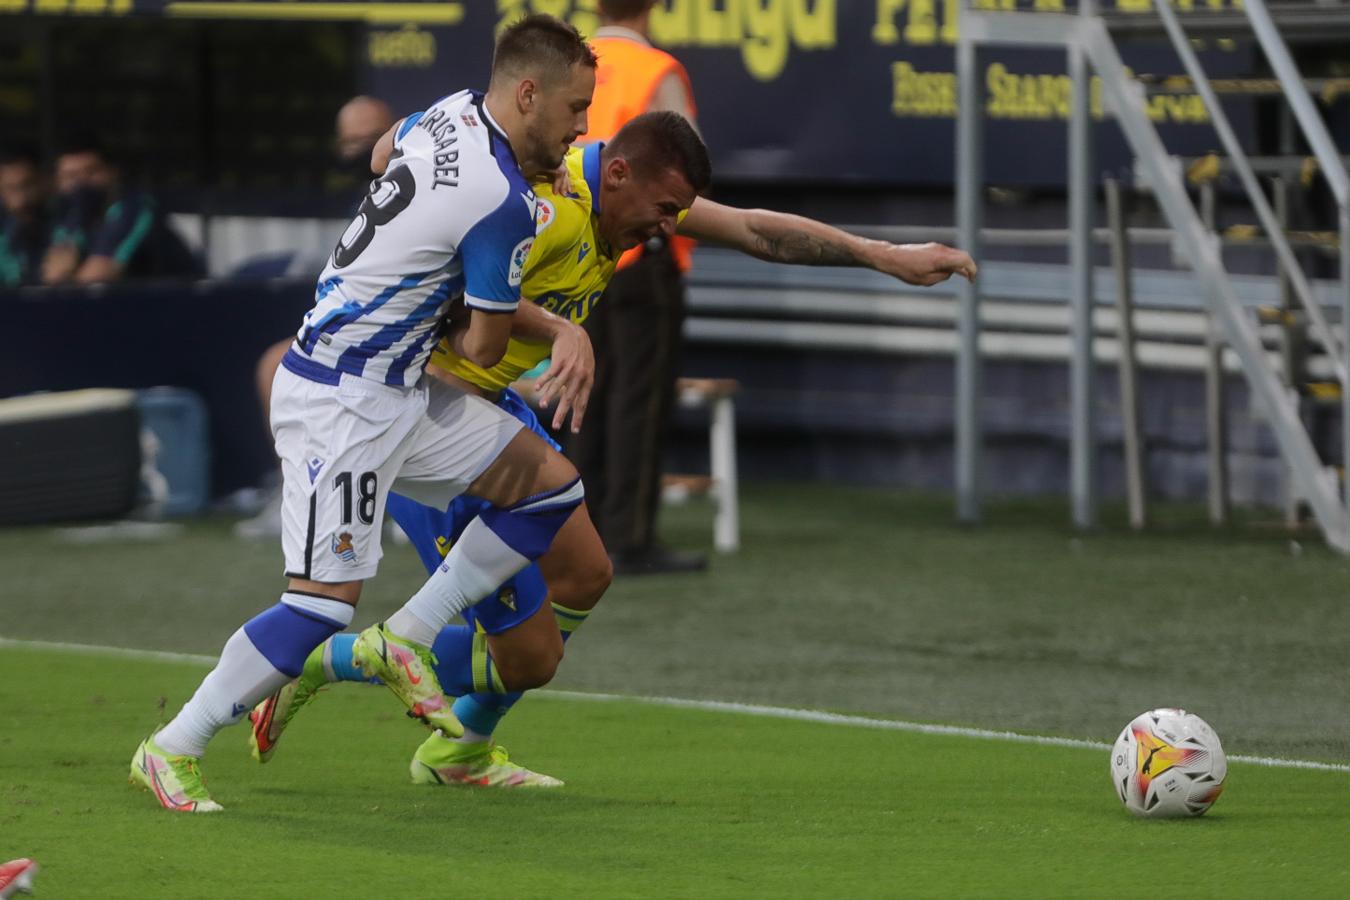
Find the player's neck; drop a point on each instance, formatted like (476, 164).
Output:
(503, 112)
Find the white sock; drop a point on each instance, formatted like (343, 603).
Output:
(241, 678)
(249, 671)
(477, 563)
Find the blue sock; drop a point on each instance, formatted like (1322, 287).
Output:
(528, 526)
(287, 632)
(482, 711)
(463, 664)
(337, 660)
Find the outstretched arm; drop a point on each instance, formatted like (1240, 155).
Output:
(785, 238)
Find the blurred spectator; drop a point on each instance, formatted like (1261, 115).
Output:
(105, 232)
(637, 329)
(360, 123)
(25, 222)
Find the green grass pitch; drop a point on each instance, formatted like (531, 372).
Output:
(846, 600)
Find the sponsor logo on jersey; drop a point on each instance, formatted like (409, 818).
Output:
(518, 257)
(574, 308)
(342, 547)
(581, 254)
(315, 466)
(508, 598)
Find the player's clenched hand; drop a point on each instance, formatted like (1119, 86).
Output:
(925, 264)
(561, 180)
(569, 377)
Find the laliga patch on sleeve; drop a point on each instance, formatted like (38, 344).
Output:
(543, 214)
(518, 257)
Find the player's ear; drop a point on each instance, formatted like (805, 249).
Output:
(617, 171)
(526, 95)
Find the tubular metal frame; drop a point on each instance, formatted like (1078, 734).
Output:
(1086, 35)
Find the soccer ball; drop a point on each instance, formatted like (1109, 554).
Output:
(1168, 764)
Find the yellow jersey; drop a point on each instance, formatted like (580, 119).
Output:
(568, 268)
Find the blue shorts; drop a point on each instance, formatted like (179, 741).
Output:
(432, 529)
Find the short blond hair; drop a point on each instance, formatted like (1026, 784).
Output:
(540, 46)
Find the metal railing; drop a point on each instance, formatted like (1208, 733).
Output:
(1089, 45)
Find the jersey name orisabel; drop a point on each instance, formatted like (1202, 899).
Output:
(452, 216)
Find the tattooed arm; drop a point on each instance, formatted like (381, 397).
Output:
(779, 237)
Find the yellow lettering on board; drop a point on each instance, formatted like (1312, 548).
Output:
(558, 9)
(813, 23)
(408, 46)
(509, 11)
(927, 22)
(766, 31)
(883, 28)
(922, 95)
(711, 24)
(672, 25)
(586, 17)
(765, 45)
(922, 28)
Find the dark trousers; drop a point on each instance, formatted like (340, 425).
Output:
(636, 330)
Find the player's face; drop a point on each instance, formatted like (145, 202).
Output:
(639, 208)
(556, 116)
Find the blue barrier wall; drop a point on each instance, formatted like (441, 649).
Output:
(204, 336)
(875, 418)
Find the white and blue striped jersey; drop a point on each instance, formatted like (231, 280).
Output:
(452, 216)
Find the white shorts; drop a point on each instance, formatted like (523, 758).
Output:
(344, 446)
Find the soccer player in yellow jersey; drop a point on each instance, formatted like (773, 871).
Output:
(621, 194)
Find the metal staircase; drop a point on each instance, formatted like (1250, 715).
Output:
(1089, 45)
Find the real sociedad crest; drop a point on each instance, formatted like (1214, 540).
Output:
(343, 549)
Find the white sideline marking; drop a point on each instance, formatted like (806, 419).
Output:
(124, 652)
(744, 709)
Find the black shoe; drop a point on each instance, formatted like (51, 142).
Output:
(656, 560)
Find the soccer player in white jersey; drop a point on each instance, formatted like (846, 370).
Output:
(449, 223)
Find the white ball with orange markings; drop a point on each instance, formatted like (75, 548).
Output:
(1168, 763)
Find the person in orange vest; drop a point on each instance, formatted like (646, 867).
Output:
(637, 330)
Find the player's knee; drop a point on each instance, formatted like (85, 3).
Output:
(585, 581)
(596, 578)
(533, 670)
(558, 471)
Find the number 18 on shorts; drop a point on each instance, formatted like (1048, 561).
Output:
(341, 447)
